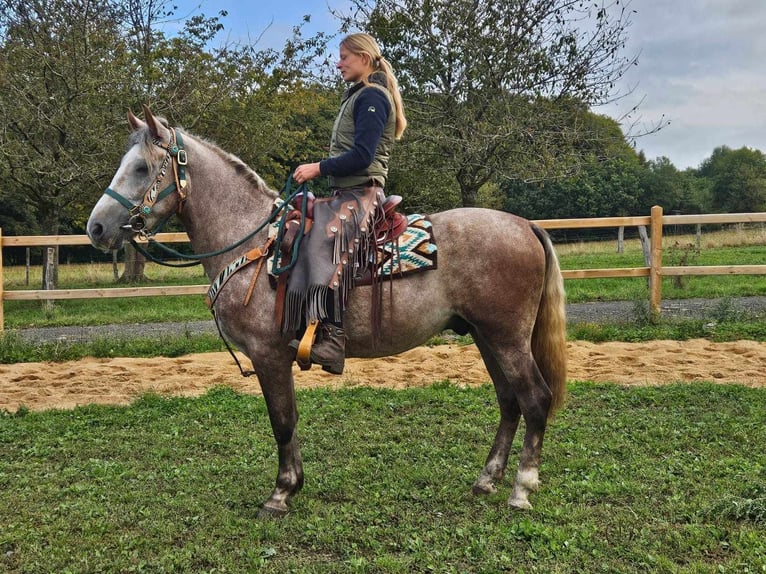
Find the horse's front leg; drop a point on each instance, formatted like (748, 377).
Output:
(279, 392)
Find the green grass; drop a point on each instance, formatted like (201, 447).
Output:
(24, 314)
(14, 349)
(668, 479)
(181, 308)
(682, 330)
(91, 275)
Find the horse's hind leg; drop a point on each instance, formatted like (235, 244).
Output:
(520, 387)
(497, 460)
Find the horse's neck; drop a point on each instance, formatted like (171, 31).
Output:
(224, 206)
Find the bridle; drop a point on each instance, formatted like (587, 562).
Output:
(175, 156)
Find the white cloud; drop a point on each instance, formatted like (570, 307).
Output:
(701, 67)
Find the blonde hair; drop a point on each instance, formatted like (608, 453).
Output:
(364, 44)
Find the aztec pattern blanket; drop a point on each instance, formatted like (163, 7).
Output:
(414, 251)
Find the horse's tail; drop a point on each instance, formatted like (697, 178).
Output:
(549, 344)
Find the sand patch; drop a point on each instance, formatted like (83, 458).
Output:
(119, 381)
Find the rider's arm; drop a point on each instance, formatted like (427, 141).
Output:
(371, 111)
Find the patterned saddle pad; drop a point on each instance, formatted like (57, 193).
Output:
(414, 251)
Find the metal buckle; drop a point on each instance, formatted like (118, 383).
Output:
(137, 222)
(181, 157)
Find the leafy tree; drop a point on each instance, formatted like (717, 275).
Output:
(737, 179)
(69, 70)
(606, 181)
(489, 85)
(663, 184)
(57, 102)
(700, 198)
(599, 189)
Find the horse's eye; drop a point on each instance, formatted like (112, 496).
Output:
(142, 169)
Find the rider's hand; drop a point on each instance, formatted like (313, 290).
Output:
(306, 172)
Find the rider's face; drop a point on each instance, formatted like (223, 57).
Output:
(353, 67)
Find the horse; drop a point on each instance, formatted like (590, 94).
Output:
(497, 278)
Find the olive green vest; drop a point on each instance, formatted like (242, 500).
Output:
(343, 140)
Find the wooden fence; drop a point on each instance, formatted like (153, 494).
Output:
(654, 271)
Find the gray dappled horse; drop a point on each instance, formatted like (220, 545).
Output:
(498, 279)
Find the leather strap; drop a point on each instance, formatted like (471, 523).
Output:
(259, 254)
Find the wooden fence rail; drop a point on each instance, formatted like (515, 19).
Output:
(655, 271)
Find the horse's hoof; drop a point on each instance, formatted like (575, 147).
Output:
(483, 489)
(273, 511)
(519, 504)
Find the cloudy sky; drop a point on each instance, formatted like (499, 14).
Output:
(702, 67)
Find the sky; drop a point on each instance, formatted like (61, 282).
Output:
(701, 70)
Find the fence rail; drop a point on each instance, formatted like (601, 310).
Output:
(654, 271)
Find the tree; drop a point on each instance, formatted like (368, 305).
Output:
(69, 70)
(606, 183)
(56, 102)
(599, 189)
(489, 85)
(56, 105)
(663, 184)
(737, 179)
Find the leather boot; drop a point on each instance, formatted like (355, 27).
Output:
(330, 349)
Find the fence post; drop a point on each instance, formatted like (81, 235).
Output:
(49, 282)
(655, 267)
(2, 318)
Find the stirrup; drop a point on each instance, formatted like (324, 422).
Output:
(303, 356)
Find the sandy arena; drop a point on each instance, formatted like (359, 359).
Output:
(65, 385)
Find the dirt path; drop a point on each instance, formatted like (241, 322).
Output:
(119, 381)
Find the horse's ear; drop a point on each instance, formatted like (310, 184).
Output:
(156, 128)
(135, 123)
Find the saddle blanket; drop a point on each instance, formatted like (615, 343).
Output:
(414, 251)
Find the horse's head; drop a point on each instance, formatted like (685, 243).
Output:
(147, 188)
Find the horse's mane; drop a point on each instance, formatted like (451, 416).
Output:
(145, 139)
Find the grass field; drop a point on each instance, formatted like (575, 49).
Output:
(667, 479)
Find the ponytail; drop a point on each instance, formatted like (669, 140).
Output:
(393, 86)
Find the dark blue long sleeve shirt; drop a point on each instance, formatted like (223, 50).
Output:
(371, 111)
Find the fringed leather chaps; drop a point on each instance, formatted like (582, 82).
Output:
(339, 247)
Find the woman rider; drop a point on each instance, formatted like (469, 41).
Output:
(371, 117)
